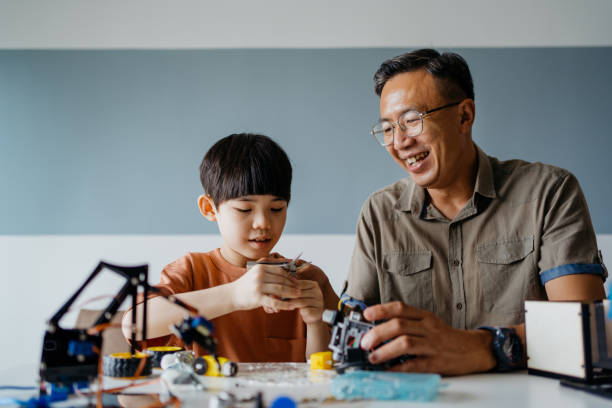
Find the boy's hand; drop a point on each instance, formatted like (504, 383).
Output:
(264, 286)
(310, 301)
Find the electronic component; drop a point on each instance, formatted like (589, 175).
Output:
(127, 365)
(71, 357)
(158, 352)
(208, 365)
(323, 360)
(347, 332)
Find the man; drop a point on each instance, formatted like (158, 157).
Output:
(453, 251)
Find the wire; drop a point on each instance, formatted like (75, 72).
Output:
(12, 401)
(101, 327)
(17, 387)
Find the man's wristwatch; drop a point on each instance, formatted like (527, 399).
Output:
(507, 348)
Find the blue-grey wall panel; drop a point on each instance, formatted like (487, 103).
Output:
(110, 141)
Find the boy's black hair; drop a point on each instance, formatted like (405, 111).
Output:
(243, 164)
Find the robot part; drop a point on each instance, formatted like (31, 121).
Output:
(346, 336)
(207, 365)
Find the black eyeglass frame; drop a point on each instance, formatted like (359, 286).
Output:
(421, 116)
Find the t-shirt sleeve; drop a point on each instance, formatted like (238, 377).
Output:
(362, 282)
(568, 242)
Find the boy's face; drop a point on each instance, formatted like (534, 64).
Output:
(250, 226)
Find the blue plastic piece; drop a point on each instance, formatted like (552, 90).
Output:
(283, 402)
(346, 300)
(76, 348)
(199, 320)
(380, 385)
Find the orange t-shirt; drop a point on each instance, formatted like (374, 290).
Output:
(244, 335)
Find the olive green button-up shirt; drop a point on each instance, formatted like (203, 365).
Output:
(526, 223)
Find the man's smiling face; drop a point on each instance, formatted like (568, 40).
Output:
(436, 156)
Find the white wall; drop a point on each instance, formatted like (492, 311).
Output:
(39, 273)
(297, 24)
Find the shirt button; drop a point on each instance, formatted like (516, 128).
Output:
(459, 306)
(456, 262)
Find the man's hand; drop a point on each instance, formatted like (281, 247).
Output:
(265, 286)
(438, 347)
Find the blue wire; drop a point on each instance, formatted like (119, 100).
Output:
(12, 401)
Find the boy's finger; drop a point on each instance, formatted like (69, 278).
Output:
(280, 279)
(277, 270)
(306, 284)
(306, 303)
(282, 291)
(269, 309)
(276, 304)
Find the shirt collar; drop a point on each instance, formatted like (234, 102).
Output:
(415, 198)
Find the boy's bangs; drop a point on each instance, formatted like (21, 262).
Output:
(256, 177)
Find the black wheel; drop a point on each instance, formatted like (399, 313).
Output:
(200, 366)
(126, 365)
(157, 353)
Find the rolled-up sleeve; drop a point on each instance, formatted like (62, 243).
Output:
(568, 242)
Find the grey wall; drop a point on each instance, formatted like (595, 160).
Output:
(110, 141)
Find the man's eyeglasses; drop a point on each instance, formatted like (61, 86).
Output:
(411, 122)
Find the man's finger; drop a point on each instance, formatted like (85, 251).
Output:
(400, 346)
(391, 329)
(416, 365)
(393, 309)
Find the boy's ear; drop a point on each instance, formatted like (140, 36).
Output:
(207, 207)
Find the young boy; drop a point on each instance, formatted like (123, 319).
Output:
(260, 314)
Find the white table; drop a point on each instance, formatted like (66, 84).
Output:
(511, 390)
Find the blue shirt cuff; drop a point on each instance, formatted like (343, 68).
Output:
(571, 269)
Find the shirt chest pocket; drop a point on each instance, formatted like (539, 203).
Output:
(505, 269)
(407, 276)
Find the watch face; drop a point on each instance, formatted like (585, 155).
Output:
(508, 347)
(512, 348)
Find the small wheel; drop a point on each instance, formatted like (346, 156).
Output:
(126, 365)
(229, 369)
(200, 366)
(157, 353)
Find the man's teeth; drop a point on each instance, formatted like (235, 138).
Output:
(417, 158)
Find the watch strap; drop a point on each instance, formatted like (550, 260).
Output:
(507, 358)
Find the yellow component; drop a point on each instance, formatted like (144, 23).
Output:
(341, 300)
(128, 355)
(228, 368)
(165, 348)
(323, 360)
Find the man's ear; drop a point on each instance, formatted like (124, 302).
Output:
(467, 110)
(207, 207)
(467, 114)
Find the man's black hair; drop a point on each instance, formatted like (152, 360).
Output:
(244, 164)
(449, 67)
